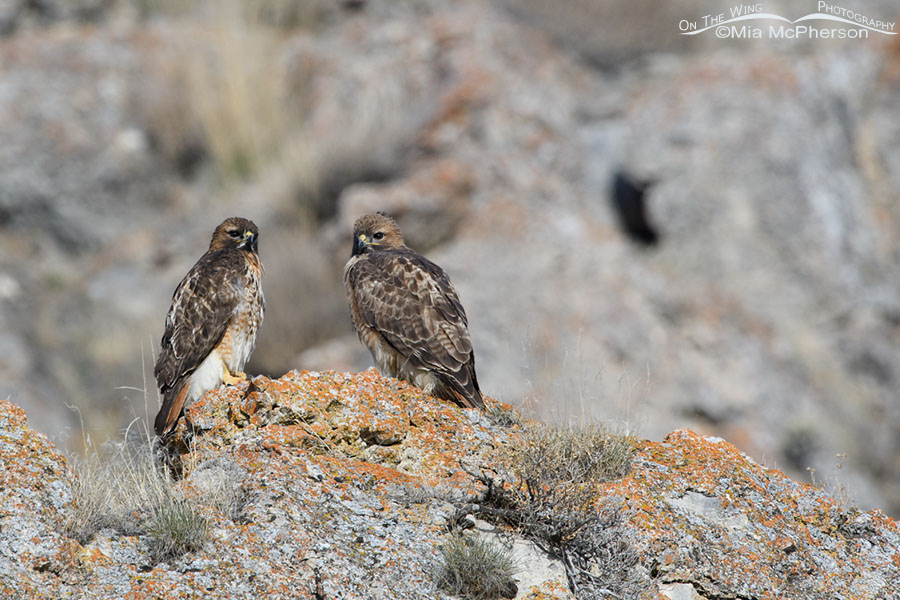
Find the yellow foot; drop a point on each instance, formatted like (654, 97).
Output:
(233, 379)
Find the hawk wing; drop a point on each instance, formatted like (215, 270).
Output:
(411, 302)
(202, 306)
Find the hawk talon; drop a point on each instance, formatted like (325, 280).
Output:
(234, 378)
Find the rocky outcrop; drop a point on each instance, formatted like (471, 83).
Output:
(712, 523)
(768, 313)
(35, 502)
(346, 486)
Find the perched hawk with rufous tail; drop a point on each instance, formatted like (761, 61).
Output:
(212, 324)
(407, 313)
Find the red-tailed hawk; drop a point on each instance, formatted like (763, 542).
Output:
(212, 324)
(407, 313)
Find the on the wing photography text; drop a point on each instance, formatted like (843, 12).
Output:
(745, 21)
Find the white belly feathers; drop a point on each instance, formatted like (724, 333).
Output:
(208, 376)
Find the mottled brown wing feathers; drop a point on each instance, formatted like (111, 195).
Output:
(412, 303)
(202, 306)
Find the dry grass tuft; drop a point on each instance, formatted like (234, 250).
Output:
(123, 486)
(176, 527)
(114, 486)
(226, 85)
(235, 87)
(475, 569)
(239, 84)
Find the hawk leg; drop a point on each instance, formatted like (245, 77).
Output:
(233, 379)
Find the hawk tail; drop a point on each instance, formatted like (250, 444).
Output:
(461, 388)
(473, 401)
(171, 409)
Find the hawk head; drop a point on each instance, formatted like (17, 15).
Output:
(375, 232)
(235, 232)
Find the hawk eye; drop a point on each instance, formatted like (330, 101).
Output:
(234, 233)
(379, 236)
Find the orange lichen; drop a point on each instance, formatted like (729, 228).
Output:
(327, 455)
(551, 590)
(743, 499)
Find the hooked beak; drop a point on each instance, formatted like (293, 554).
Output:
(360, 243)
(249, 240)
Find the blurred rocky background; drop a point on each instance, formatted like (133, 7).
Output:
(653, 229)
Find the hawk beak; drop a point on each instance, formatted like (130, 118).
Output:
(360, 243)
(249, 240)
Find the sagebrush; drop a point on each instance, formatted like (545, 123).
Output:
(546, 487)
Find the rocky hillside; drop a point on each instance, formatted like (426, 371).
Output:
(768, 312)
(338, 485)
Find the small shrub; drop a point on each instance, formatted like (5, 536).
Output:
(476, 569)
(176, 528)
(547, 489)
(503, 415)
(554, 463)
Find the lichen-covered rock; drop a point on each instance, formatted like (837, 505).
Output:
(485, 138)
(338, 485)
(34, 499)
(707, 516)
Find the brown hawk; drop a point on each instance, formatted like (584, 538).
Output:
(407, 313)
(212, 324)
